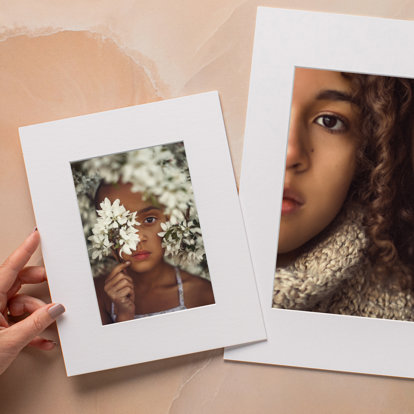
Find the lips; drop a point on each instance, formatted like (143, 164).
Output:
(141, 255)
(292, 201)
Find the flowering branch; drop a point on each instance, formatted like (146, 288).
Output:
(182, 241)
(115, 230)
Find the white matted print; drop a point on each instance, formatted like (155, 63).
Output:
(142, 232)
(328, 152)
(93, 179)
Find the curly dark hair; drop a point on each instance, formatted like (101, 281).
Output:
(385, 179)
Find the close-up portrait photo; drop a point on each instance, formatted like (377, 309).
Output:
(346, 229)
(328, 151)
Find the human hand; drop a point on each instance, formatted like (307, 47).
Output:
(120, 289)
(13, 274)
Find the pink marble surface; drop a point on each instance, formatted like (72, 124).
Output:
(66, 58)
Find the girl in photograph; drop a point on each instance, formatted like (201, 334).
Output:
(145, 212)
(143, 283)
(346, 229)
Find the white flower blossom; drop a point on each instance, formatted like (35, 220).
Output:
(115, 229)
(182, 242)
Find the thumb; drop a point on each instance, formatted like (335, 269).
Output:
(24, 331)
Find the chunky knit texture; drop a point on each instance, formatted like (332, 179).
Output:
(334, 275)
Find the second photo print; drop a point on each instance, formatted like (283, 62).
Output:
(328, 151)
(345, 235)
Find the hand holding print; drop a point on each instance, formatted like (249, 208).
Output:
(13, 274)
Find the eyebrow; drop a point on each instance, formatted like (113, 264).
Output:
(334, 95)
(144, 210)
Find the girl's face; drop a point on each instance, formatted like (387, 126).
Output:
(149, 251)
(321, 155)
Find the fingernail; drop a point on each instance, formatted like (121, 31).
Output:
(51, 341)
(56, 310)
(35, 229)
(128, 262)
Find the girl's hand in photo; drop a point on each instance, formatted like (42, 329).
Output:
(13, 274)
(120, 289)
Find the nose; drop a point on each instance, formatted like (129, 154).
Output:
(142, 236)
(298, 150)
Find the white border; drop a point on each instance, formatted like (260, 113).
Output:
(286, 39)
(87, 345)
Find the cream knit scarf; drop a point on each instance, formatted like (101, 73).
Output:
(334, 275)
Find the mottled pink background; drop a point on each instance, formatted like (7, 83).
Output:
(66, 58)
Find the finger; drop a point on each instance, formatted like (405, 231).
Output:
(115, 295)
(125, 292)
(42, 343)
(114, 283)
(118, 276)
(30, 274)
(21, 333)
(117, 269)
(121, 284)
(21, 304)
(15, 262)
(116, 279)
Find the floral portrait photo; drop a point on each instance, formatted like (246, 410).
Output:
(147, 243)
(142, 232)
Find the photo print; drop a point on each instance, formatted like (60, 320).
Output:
(143, 242)
(328, 152)
(346, 229)
(142, 232)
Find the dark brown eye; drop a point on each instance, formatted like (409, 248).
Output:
(150, 220)
(331, 122)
